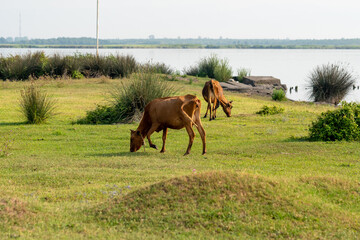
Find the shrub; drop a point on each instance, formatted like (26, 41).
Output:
(101, 115)
(76, 75)
(278, 95)
(223, 71)
(339, 124)
(35, 105)
(266, 110)
(330, 83)
(243, 72)
(129, 101)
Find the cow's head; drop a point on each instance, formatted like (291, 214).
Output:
(136, 141)
(227, 108)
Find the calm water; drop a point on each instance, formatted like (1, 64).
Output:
(291, 66)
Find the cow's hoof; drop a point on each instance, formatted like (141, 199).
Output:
(154, 146)
(186, 154)
(203, 153)
(162, 151)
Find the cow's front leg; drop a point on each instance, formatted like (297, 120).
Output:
(164, 139)
(214, 109)
(152, 129)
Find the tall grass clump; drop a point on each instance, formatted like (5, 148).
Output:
(92, 66)
(340, 124)
(243, 72)
(35, 105)
(223, 71)
(129, 100)
(157, 68)
(35, 65)
(120, 66)
(205, 67)
(278, 95)
(330, 83)
(21, 67)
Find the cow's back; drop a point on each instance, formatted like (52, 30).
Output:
(166, 111)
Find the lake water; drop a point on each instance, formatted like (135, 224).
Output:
(292, 67)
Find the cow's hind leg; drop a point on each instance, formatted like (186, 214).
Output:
(152, 129)
(208, 107)
(191, 137)
(164, 139)
(200, 129)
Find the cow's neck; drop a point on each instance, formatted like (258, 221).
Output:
(223, 101)
(143, 128)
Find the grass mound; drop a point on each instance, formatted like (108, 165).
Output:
(228, 205)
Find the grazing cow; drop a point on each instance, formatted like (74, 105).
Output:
(213, 93)
(170, 112)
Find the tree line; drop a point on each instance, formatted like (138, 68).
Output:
(198, 42)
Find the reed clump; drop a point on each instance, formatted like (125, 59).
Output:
(35, 65)
(330, 83)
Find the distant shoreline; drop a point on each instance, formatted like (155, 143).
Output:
(184, 46)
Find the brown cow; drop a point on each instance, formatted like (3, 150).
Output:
(170, 112)
(213, 91)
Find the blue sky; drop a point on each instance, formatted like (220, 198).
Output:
(314, 19)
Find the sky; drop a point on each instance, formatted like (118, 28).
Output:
(240, 19)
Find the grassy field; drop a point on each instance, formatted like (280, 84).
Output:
(260, 177)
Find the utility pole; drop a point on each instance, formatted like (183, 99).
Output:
(97, 29)
(20, 26)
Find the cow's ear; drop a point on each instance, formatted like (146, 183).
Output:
(231, 101)
(138, 133)
(132, 131)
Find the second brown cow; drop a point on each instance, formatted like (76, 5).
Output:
(213, 94)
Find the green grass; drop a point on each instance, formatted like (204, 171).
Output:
(260, 177)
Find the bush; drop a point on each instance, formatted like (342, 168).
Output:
(337, 125)
(278, 95)
(101, 115)
(129, 101)
(223, 71)
(76, 75)
(330, 83)
(35, 105)
(265, 110)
